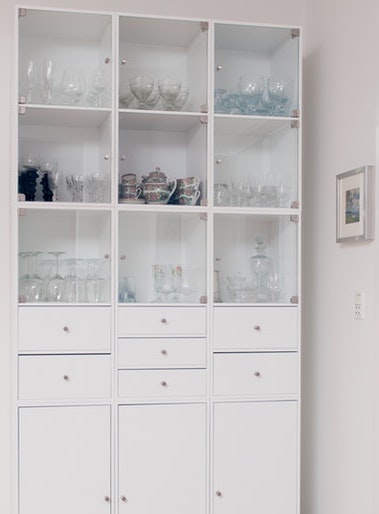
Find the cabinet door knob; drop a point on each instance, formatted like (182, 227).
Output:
(164, 383)
(218, 493)
(123, 61)
(66, 378)
(107, 499)
(257, 374)
(66, 329)
(164, 321)
(164, 352)
(257, 328)
(107, 60)
(123, 498)
(107, 157)
(219, 67)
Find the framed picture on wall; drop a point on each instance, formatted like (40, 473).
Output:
(355, 204)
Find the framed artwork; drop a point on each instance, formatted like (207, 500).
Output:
(355, 205)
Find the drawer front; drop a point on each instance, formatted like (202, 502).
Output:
(256, 374)
(162, 353)
(162, 321)
(255, 328)
(162, 383)
(64, 329)
(55, 377)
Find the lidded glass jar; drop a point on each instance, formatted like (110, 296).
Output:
(261, 267)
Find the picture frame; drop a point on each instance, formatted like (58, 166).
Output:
(355, 204)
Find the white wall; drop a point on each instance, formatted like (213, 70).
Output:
(340, 362)
(267, 11)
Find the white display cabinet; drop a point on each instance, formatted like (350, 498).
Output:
(157, 213)
(163, 255)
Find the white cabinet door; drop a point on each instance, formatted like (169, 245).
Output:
(64, 460)
(162, 459)
(255, 458)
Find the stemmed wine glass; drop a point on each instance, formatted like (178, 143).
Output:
(72, 86)
(167, 282)
(280, 93)
(47, 80)
(95, 95)
(31, 77)
(56, 286)
(75, 281)
(142, 88)
(95, 280)
(31, 285)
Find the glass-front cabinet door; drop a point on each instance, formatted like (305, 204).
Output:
(162, 257)
(163, 101)
(256, 70)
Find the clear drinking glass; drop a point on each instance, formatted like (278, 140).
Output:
(47, 81)
(31, 78)
(96, 90)
(75, 283)
(75, 185)
(31, 285)
(95, 282)
(167, 282)
(72, 86)
(56, 286)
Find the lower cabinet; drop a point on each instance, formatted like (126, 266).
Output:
(162, 459)
(64, 463)
(255, 457)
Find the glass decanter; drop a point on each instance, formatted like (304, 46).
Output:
(261, 267)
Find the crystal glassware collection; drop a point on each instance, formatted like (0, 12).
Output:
(41, 180)
(41, 83)
(255, 95)
(260, 285)
(145, 92)
(48, 277)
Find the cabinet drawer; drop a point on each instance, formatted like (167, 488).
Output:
(162, 321)
(162, 353)
(255, 328)
(64, 329)
(163, 383)
(55, 377)
(256, 374)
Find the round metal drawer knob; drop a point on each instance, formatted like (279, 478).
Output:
(164, 383)
(66, 329)
(107, 499)
(219, 67)
(257, 328)
(218, 493)
(257, 374)
(164, 321)
(66, 378)
(123, 499)
(164, 352)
